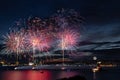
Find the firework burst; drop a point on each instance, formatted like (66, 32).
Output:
(68, 39)
(40, 40)
(14, 42)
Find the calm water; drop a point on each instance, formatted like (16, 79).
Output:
(107, 74)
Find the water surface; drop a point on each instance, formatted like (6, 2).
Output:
(107, 74)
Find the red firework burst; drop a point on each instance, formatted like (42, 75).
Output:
(40, 40)
(14, 42)
(68, 39)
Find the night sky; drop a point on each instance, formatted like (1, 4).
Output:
(101, 17)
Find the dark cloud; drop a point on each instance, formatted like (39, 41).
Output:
(100, 46)
(104, 33)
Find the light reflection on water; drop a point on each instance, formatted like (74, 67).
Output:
(37, 75)
(27, 75)
(108, 74)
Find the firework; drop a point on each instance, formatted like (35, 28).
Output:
(65, 18)
(68, 39)
(40, 40)
(14, 42)
(42, 35)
